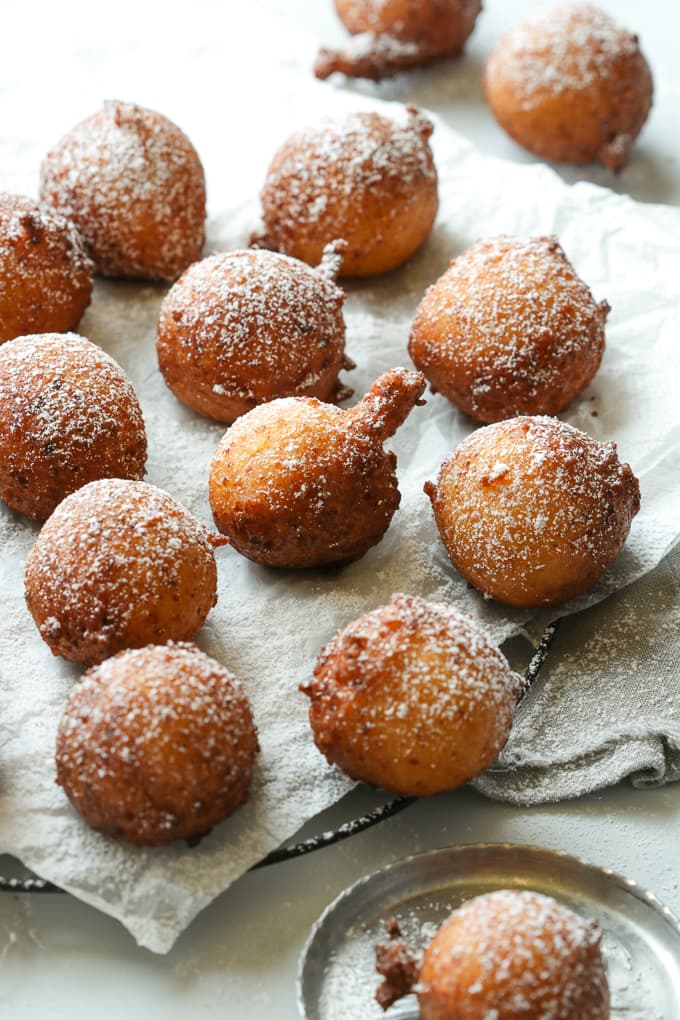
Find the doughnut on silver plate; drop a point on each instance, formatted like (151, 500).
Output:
(337, 979)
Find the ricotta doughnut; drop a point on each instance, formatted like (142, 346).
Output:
(509, 329)
(532, 511)
(242, 328)
(412, 697)
(156, 744)
(45, 274)
(367, 179)
(511, 954)
(119, 564)
(133, 184)
(396, 35)
(299, 483)
(68, 415)
(571, 86)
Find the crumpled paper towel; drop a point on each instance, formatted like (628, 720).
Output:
(269, 626)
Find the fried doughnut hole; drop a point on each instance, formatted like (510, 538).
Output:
(532, 511)
(45, 274)
(299, 483)
(133, 184)
(68, 415)
(156, 744)
(412, 697)
(396, 35)
(368, 179)
(509, 329)
(119, 564)
(571, 86)
(510, 954)
(242, 328)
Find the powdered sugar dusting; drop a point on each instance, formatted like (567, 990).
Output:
(510, 328)
(68, 414)
(252, 325)
(561, 497)
(329, 164)
(515, 952)
(119, 563)
(417, 661)
(569, 49)
(45, 274)
(134, 186)
(156, 744)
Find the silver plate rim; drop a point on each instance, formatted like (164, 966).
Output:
(609, 874)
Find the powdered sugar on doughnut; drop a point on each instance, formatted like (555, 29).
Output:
(45, 274)
(68, 415)
(134, 186)
(108, 559)
(561, 507)
(510, 328)
(569, 49)
(517, 953)
(158, 741)
(330, 163)
(252, 325)
(446, 664)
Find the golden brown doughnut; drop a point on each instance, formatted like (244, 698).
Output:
(509, 329)
(299, 483)
(119, 564)
(156, 744)
(532, 511)
(133, 184)
(242, 328)
(396, 35)
(412, 697)
(510, 954)
(369, 180)
(45, 274)
(571, 86)
(68, 415)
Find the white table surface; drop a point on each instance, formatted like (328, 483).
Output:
(60, 958)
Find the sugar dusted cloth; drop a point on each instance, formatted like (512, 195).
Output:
(268, 626)
(607, 703)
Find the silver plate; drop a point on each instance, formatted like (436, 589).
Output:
(337, 979)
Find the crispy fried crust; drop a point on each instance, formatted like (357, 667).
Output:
(119, 564)
(369, 180)
(156, 744)
(243, 328)
(133, 184)
(412, 697)
(45, 274)
(533, 511)
(509, 329)
(514, 954)
(398, 35)
(68, 415)
(571, 86)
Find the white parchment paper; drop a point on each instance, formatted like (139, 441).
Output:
(269, 626)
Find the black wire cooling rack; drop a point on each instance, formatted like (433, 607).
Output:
(33, 884)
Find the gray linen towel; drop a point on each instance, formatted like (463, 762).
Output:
(606, 704)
